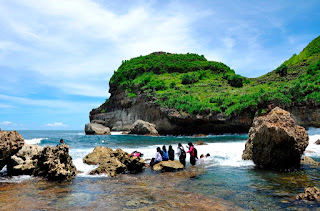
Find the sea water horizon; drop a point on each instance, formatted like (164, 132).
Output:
(223, 175)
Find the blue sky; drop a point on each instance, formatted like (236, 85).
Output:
(56, 57)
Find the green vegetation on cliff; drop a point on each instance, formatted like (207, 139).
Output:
(191, 84)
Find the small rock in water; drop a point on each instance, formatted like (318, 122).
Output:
(310, 194)
(317, 142)
(310, 161)
(200, 143)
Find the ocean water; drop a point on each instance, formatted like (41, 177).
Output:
(223, 177)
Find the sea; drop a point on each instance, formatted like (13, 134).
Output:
(222, 181)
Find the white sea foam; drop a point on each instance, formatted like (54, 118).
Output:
(15, 179)
(116, 133)
(34, 140)
(313, 150)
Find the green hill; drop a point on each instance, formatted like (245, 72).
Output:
(191, 84)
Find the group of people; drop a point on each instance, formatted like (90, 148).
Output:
(164, 155)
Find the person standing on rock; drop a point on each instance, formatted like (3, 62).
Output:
(171, 153)
(181, 154)
(165, 156)
(192, 154)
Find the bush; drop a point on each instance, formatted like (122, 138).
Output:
(236, 80)
(189, 79)
(282, 70)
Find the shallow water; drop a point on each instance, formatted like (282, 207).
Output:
(222, 181)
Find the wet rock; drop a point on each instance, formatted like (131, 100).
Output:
(10, 144)
(310, 194)
(168, 166)
(309, 161)
(317, 142)
(55, 163)
(141, 127)
(200, 143)
(96, 129)
(113, 162)
(200, 135)
(275, 141)
(25, 161)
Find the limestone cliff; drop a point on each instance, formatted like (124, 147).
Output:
(122, 111)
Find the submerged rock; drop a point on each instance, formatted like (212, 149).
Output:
(168, 166)
(10, 144)
(55, 163)
(141, 127)
(113, 162)
(200, 143)
(275, 141)
(310, 194)
(96, 129)
(25, 161)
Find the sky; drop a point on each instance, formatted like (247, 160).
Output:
(57, 56)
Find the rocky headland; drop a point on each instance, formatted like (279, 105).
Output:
(186, 94)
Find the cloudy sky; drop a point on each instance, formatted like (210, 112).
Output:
(57, 56)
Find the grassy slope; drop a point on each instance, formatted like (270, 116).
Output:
(191, 84)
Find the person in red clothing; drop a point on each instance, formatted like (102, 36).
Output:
(192, 155)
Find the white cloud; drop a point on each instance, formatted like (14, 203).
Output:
(71, 43)
(56, 124)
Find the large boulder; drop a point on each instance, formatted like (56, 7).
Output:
(10, 144)
(25, 161)
(113, 162)
(141, 127)
(96, 129)
(168, 166)
(310, 194)
(55, 163)
(275, 141)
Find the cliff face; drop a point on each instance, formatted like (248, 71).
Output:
(122, 111)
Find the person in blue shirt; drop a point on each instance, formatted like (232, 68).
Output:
(165, 156)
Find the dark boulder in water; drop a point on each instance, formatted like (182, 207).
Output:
(55, 163)
(10, 143)
(275, 141)
(113, 162)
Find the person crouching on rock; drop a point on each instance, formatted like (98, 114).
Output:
(192, 155)
(157, 158)
(181, 154)
(171, 153)
(165, 156)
